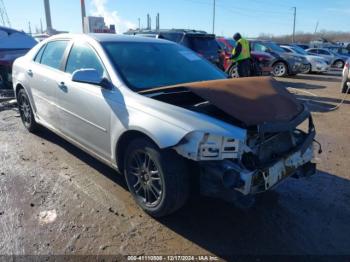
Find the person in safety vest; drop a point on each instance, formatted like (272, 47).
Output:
(241, 55)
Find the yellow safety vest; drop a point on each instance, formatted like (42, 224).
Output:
(245, 53)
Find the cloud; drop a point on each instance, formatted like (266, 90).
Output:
(99, 8)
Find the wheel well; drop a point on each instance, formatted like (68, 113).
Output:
(18, 87)
(123, 142)
(338, 60)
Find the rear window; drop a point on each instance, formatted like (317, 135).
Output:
(203, 44)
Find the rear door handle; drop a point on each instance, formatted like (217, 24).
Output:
(30, 72)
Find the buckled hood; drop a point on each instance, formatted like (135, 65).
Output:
(253, 101)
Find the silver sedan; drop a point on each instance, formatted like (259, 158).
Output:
(164, 117)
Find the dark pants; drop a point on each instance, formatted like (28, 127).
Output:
(244, 68)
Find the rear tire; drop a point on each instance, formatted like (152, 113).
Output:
(308, 69)
(3, 82)
(339, 64)
(233, 72)
(157, 179)
(26, 112)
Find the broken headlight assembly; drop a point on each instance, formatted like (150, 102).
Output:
(200, 146)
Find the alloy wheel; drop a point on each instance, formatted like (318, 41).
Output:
(145, 179)
(279, 69)
(234, 72)
(25, 110)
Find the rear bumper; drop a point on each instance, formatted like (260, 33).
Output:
(320, 67)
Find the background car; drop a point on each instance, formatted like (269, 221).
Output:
(285, 63)
(303, 46)
(333, 59)
(201, 42)
(263, 60)
(316, 63)
(340, 50)
(346, 77)
(13, 44)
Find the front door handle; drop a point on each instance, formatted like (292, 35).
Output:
(62, 86)
(30, 72)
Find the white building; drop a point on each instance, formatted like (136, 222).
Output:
(93, 24)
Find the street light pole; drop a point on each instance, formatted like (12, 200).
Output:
(214, 11)
(295, 16)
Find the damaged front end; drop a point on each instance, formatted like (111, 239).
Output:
(279, 135)
(266, 158)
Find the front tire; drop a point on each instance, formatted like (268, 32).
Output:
(279, 69)
(26, 112)
(233, 72)
(157, 179)
(308, 69)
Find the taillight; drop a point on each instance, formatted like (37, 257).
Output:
(347, 65)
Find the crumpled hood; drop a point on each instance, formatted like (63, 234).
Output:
(253, 101)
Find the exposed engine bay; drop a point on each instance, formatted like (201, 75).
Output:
(275, 146)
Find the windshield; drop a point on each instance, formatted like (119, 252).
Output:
(274, 47)
(149, 65)
(203, 44)
(299, 50)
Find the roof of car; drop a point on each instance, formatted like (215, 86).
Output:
(111, 38)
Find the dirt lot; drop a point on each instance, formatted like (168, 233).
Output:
(55, 199)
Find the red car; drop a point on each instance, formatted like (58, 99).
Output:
(13, 44)
(262, 62)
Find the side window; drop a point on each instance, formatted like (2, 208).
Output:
(259, 47)
(287, 50)
(83, 57)
(221, 45)
(313, 51)
(53, 54)
(39, 54)
(323, 52)
(174, 37)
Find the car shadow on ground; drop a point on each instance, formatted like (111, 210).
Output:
(296, 218)
(81, 155)
(301, 85)
(319, 77)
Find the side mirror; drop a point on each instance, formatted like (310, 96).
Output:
(90, 76)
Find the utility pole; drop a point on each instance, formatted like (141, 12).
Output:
(316, 27)
(214, 12)
(29, 28)
(295, 17)
(41, 26)
(83, 14)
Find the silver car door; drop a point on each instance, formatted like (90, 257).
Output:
(43, 74)
(84, 112)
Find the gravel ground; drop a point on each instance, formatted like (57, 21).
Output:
(55, 199)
